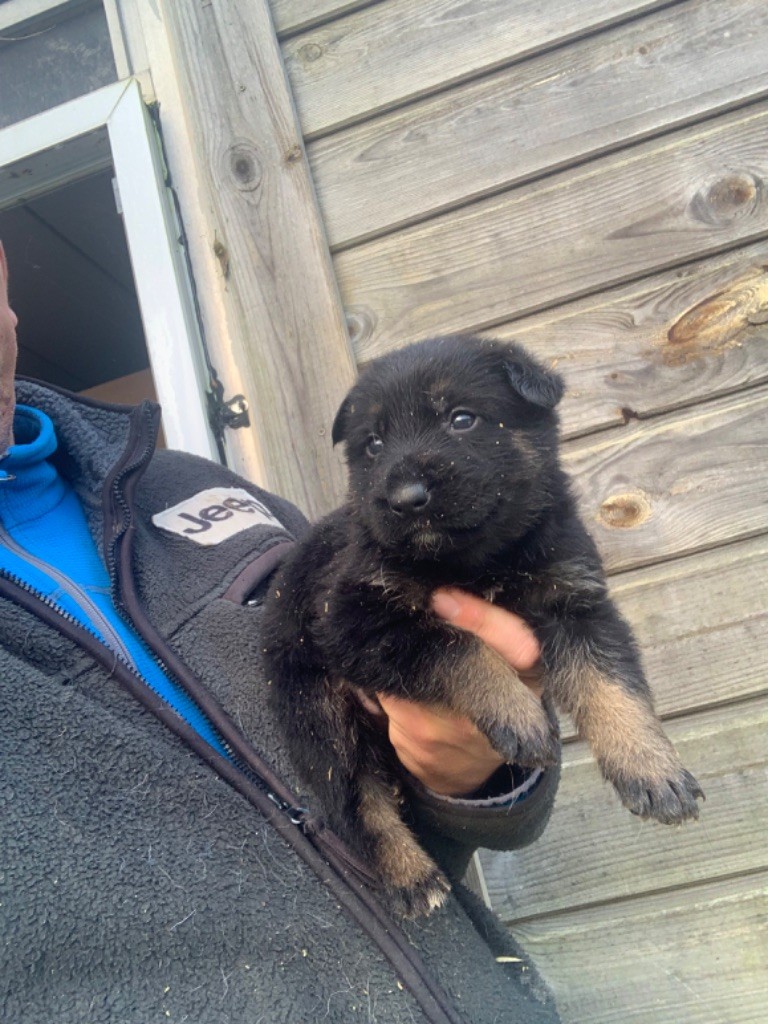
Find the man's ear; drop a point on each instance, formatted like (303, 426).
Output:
(532, 381)
(341, 422)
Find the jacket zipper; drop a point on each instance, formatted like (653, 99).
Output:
(61, 612)
(115, 529)
(115, 647)
(103, 627)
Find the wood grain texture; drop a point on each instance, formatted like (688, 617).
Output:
(658, 344)
(280, 295)
(293, 15)
(657, 205)
(599, 93)
(677, 484)
(594, 850)
(386, 54)
(702, 625)
(693, 956)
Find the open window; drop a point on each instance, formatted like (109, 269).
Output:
(98, 275)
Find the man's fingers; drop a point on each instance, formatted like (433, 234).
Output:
(504, 631)
(445, 751)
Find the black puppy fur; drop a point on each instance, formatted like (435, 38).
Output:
(454, 479)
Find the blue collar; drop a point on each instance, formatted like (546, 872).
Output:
(35, 440)
(29, 484)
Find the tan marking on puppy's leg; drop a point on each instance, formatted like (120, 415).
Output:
(620, 725)
(401, 860)
(630, 746)
(489, 685)
(488, 690)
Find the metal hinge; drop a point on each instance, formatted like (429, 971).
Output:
(232, 413)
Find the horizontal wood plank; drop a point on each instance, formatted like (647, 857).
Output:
(294, 15)
(702, 625)
(657, 344)
(681, 483)
(599, 93)
(383, 55)
(660, 204)
(694, 956)
(593, 850)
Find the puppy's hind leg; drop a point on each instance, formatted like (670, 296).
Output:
(345, 764)
(321, 724)
(415, 883)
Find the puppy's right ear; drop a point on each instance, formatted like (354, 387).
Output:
(532, 381)
(341, 423)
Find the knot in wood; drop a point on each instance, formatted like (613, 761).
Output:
(648, 48)
(625, 511)
(310, 52)
(721, 321)
(727, 199)
(360, 323)
(244, 166)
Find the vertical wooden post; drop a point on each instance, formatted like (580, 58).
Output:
(284, 316)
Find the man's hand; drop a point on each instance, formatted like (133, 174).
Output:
(447, 752)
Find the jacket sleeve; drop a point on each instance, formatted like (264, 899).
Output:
(453, 829)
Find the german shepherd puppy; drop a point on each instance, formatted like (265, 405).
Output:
(454, 479)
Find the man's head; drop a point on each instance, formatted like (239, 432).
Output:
(7, 358)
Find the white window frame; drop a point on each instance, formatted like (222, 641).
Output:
(162, 285)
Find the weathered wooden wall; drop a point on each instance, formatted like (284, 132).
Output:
(592, 178)
(277, 288)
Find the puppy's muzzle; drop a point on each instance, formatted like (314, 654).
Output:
(409, 499)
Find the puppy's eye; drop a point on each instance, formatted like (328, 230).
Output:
(374, 446)
(462, 419)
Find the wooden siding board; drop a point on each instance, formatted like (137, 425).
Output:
(694, 956)
(381, 56)
(595, 851)
(655, 345)
(627, 83)
(676, 484)
(702, 625)
(657, 205)
(280, 296)
(294, 15)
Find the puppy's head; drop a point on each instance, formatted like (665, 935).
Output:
(451, 446)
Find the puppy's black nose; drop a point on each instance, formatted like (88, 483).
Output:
(409, 499)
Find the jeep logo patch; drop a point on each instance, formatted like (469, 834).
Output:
(214, 515)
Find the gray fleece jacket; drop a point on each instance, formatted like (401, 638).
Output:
(145, 880)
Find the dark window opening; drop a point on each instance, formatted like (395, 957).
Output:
(53, 59)
(72, 288)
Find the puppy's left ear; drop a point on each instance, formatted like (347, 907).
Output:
(341, 422)
(532, 381)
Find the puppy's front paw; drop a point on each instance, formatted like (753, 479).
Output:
(533, 747)
(421, 898)
(670, 799)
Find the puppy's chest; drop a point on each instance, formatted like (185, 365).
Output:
(411, 592)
